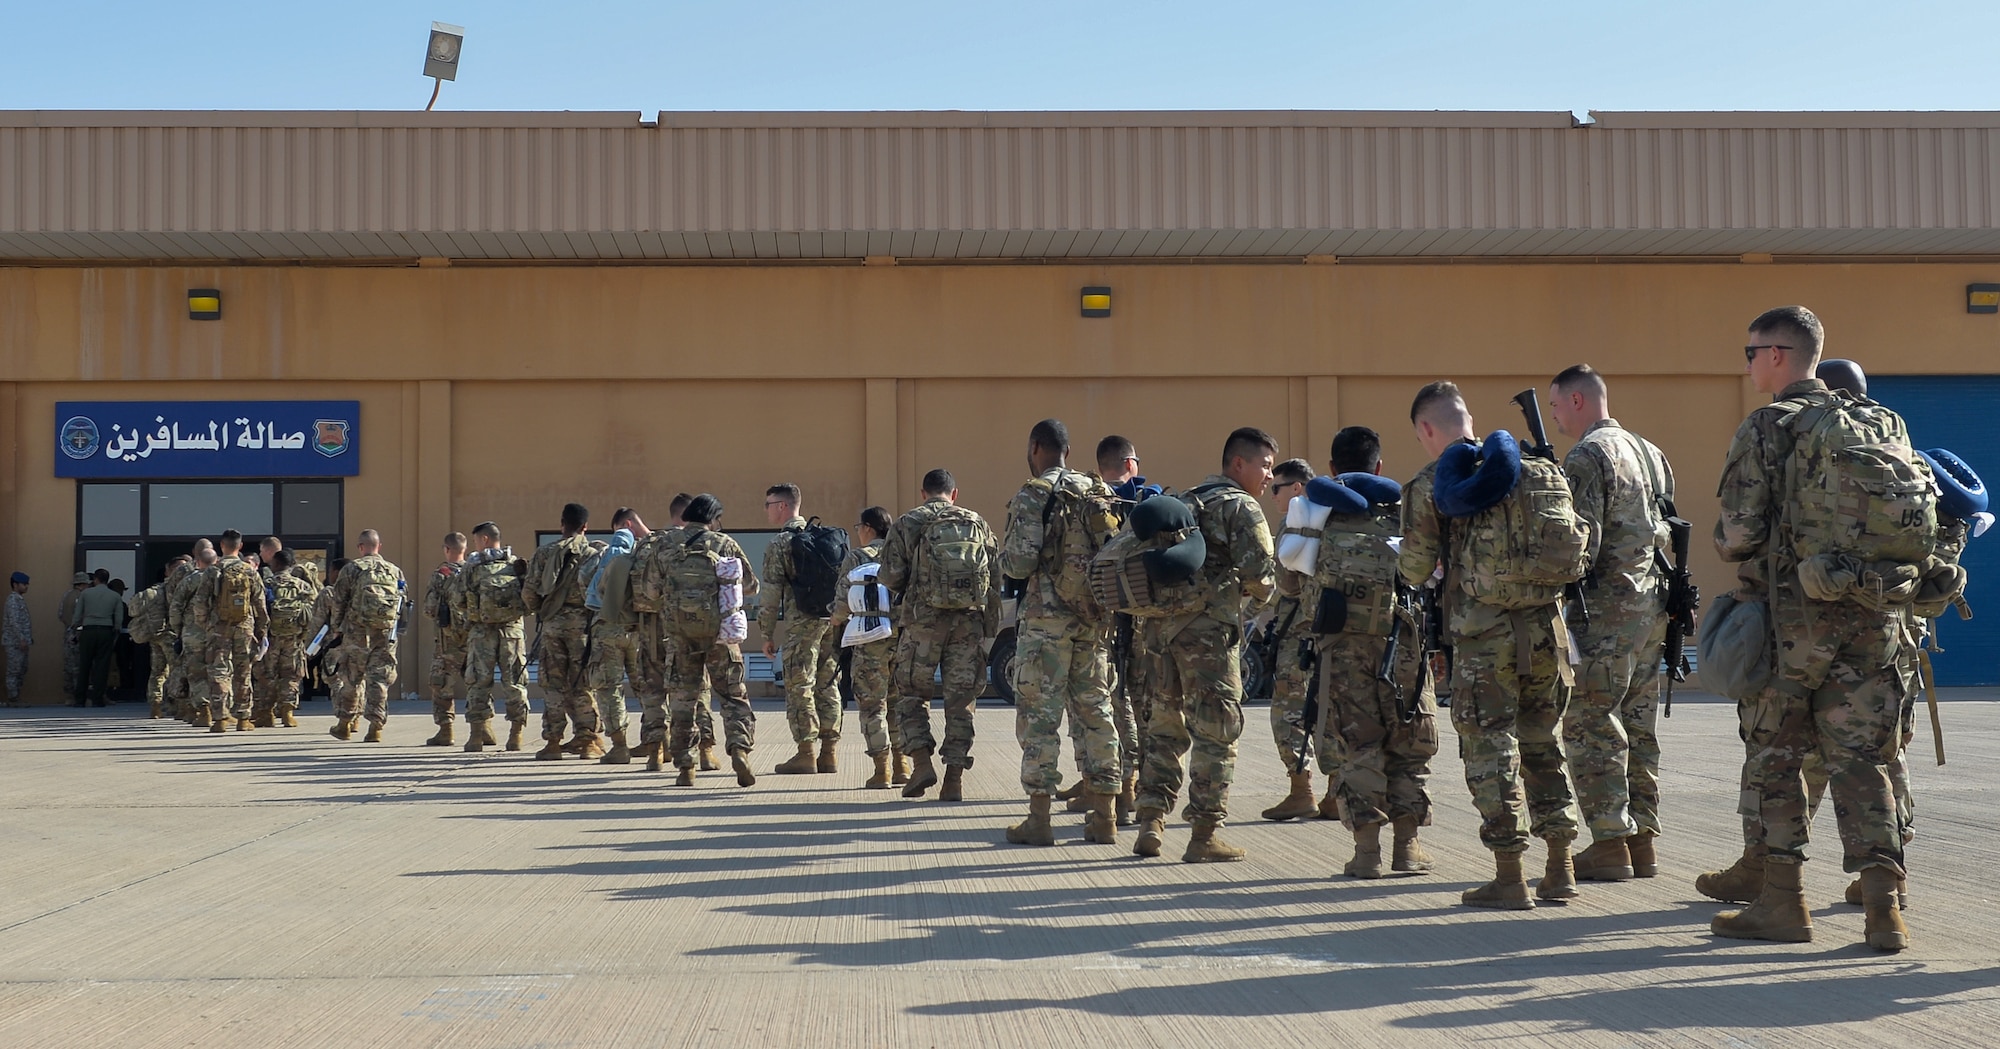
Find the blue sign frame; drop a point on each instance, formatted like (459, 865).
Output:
(200, 439)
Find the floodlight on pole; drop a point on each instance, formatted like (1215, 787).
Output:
(441, 58)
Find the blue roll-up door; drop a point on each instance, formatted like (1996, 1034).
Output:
(1959, 412)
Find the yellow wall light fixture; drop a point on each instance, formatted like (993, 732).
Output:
(1982, 298)
(204, 304)
(1097, 302)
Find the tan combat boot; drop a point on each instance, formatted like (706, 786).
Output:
(799, 764)
(1854, 893)
(154, 707)
(1740, 882)
(1035, 830)
(1608, 860)
(1645, 863)
(741, 763)
(443, 737)
(593, 746)
(1367, 861)
(1882, 911)
(286, 718)
(620, 752)
(552, 748)
(708, 761)
(374, 732)
(515, 729)
(1299, 804)
(686, 777)
(1559, 877)
(953, 788)
(1128, 801)
(880, 779)
(1508, 891)
(1205, 847)
(478, 736)
(1152, 832)
(263, 720)
(923, 777)
(1780, 912)
(1100, 827)
(1409, 855)
(1329, 806)
(577, 744)
(342, 729)
(199, 717)
(828, 760)
(243, 724)
(901, 763)
(656, 755)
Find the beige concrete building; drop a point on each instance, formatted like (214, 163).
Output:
(529, 309)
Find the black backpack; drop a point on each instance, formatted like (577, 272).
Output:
(817, 551)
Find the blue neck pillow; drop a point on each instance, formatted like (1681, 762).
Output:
(1471, 478)
(1335, 496)
(1378, 490)
(1960, 492)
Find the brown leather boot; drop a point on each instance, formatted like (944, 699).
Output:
(741, 763)
(1882, 912)
(1299, 804)
(1780, 912)
(923, 777)
(552, 749)
(708, 762)
(514, 731)
(880, 779)
(1607, 860)
(620, 752)
(593, 746)
(1204, 846)
(1645, 864)
(1740, 882)
(1100, 827)
(443, 737)
(1408, 855)
(799, 764)
(828, 760)
(1128, 801)
(1367, 861)
(374, 732)
(901, 763)
(1035, 830)
(1559, 876)
(478, 736)
(1508, 891)
(343, 729)
(953, 788)
(1152, 832)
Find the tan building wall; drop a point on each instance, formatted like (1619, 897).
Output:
(503, 392)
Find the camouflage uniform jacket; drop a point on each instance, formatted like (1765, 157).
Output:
(1240, 574)
(1424, 536)
(437, 602)
(902, 552)
(1617, 493)
(19, 631)
(856, 557)
(180, 590)
(780, 604)
(1025, 554)
(1752, 491)
(546, 568)
(344, 585)
(201, 607)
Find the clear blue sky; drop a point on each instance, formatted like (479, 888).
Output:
(1025, 54)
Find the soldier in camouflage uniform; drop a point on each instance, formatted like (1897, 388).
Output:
(448, 652)
(294, 590)
(1118, 467)
(368, 664)
(558, 577)
(812, 686)
(1623, 489)
(189, 680)
(932, 558)
(870, 664)
(486, 597)
(66, 614)
(1837, 685)
(1189, 662)
(1061, 659)
(1289, 628)
(702, 662)
(614, 641)
(231, 646)
(1510, 657)
(150, 613)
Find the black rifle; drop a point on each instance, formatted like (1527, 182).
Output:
(1264, 647)
(1121, 646)
(1683, 597)
(1308, 714)
(1531, 412)
(1385, 671)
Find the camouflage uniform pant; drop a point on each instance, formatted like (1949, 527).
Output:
(566, 698)
(276, 676)
(947, 641)
(72, 659)
(492, 649)
(17, 671)
(696, 669)
(226, 667)
(812, 680)
(1383, 761)
(367, 673)
(656, 665)
(614, 661)
(1840, 692)
(1123, 718)
(1608, 729)
(870, 668)
(1195, 684)
(1288, 706)
(186, 683)
(1898, 767)
(1507, 702)
(447, 675)
(158, 669)
(1062, 665)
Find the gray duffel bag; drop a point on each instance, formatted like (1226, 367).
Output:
(1735, 647)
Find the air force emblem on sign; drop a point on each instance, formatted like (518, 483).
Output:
(331, 437)
(79, 438)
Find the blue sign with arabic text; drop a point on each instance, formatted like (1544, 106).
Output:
(122, 439)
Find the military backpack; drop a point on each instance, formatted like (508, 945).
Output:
(817, 551)
(614, 591)
(1862, 504)
(148, 617)
(1520, 552)
(291, 599)
(377, 599)
(237, 591)
(957, 565)
(1076, 526)
(1354, 581)
(1151, 568)
(693, 602)
(492, 589)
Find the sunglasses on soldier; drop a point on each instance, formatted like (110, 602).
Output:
(1750, 352)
